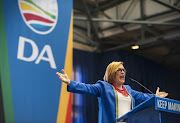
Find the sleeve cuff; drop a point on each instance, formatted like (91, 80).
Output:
(70, 87)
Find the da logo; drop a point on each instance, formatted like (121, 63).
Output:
(39, 15)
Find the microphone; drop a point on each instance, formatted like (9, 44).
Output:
(142, 85)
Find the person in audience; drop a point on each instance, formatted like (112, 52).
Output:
(115, 99)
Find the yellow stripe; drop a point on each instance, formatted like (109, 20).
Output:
(28, 7)
(64, 97)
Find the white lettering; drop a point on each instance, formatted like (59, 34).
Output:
(20, 54)
(50, 57)
(173, 106)
(162, 104)
(169, 106)
(35, 52)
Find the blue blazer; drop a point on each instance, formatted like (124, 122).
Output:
(107, 98)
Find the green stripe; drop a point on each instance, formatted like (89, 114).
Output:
(116, 102)
(47, 13)
(4, 71)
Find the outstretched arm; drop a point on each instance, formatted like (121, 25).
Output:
(140, 97)
(78, 87)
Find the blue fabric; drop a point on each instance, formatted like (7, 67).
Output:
(85, 107)
(106, 97)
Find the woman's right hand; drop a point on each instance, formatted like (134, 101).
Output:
(64, 77)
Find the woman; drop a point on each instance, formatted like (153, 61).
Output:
(115, 99)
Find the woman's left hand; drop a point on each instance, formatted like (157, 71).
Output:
(161, 94)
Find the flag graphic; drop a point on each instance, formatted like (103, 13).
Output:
(37, 17)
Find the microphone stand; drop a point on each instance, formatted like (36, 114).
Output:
(142, 85)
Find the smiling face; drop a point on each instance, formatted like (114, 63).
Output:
(120, 75)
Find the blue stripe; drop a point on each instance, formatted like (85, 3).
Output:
(41, 27)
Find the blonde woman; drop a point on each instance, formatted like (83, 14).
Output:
(115, 99)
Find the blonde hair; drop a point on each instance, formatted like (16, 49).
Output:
(111, 70)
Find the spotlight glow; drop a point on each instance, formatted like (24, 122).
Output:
(135, 47)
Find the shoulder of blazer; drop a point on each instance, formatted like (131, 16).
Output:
(103, 82)
(128, 88)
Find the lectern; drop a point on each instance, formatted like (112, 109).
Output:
(154, 110)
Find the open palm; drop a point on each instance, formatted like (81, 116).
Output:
(64, 77)
(161, 94)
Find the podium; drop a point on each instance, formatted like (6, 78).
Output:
(154, 110)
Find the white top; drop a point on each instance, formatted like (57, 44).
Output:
(124, 104)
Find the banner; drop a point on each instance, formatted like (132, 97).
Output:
(167, 105)
(37, 42)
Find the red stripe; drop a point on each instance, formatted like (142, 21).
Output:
(69, 110)
(36, 17)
